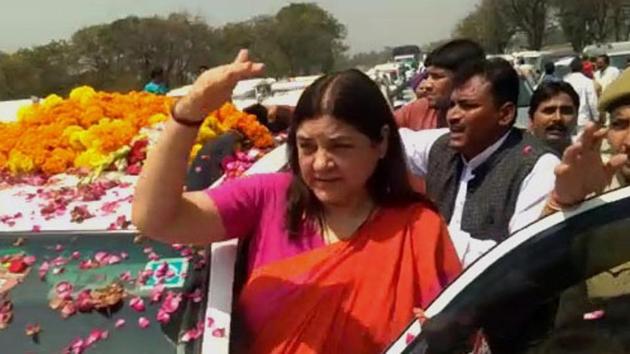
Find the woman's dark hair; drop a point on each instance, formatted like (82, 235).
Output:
(353, 98)
(550, 89)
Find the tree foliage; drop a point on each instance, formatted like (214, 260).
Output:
(118, 56)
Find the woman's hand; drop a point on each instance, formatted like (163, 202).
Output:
(214, 87)
(582, 170)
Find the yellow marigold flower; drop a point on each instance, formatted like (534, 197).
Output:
(157, 118)
(72, 134)
(195, 149)
(205, 134)
(90, 158)
(51, 101)
(82, 94)
(20, 163)
(26, 113)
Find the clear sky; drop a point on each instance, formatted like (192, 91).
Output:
(371, 24)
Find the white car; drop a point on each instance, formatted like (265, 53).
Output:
(536, 292)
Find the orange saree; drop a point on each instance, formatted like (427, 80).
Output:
(353, 296)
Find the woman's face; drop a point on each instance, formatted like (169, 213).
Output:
(336, 160)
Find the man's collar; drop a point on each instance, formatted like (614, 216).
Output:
(485, 154)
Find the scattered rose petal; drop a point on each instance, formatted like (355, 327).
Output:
(124, 255)
(113, 259)
(595, 315)
(58, 248)
(163, 317)
(17, 265)
(126, 276)
(30, 260)
(84, 301)
(143, 322)
(32, 329)
(36, 228)
(196, 296)
(162, 270)
(137, 304)
(409, 338)
(219, 333)
(95, 336)
(156, 293)
(100, 257)
(76, 255)
(209, 322)
(171, 302)
(177, 246)
(68, 309)
(153, 256)
(43, 270)
(147, 250)
(119, 323)
(64, 290)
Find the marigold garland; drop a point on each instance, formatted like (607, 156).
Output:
(89, 127)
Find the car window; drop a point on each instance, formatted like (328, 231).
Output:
(567, 283)
(75, 256)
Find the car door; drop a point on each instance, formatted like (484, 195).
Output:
(560, 283)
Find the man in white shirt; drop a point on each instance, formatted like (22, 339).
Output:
(487, 178)
(605, 73)
(585, 88)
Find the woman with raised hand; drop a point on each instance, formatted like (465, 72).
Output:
(340, 249)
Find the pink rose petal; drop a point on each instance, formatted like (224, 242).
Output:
(219, 333)
(36, 228)
(177, 246)
(84, 301)
(163, 317)
(124, 255)
(595, 315)
(29, 260)
(126, 276)
(137, 304)
(95, 336)
(113, 259)
(196, 296)
(64, 290)
(153, 256)
(148, 250)
(119, 323)
(58, 248)
(156, 293)
(209, 322)
(68, 309)
(76, 255)
(43, 269)
(100, 257)
(162, 270)
(143, 322)
(171, 302)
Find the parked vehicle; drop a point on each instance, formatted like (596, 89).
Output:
(538, 287)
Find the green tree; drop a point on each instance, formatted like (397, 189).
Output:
(489, 25)
(309, 37)
(531, 17)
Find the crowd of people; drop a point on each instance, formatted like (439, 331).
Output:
(379, 206)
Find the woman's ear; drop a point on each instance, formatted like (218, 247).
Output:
(383, 146)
